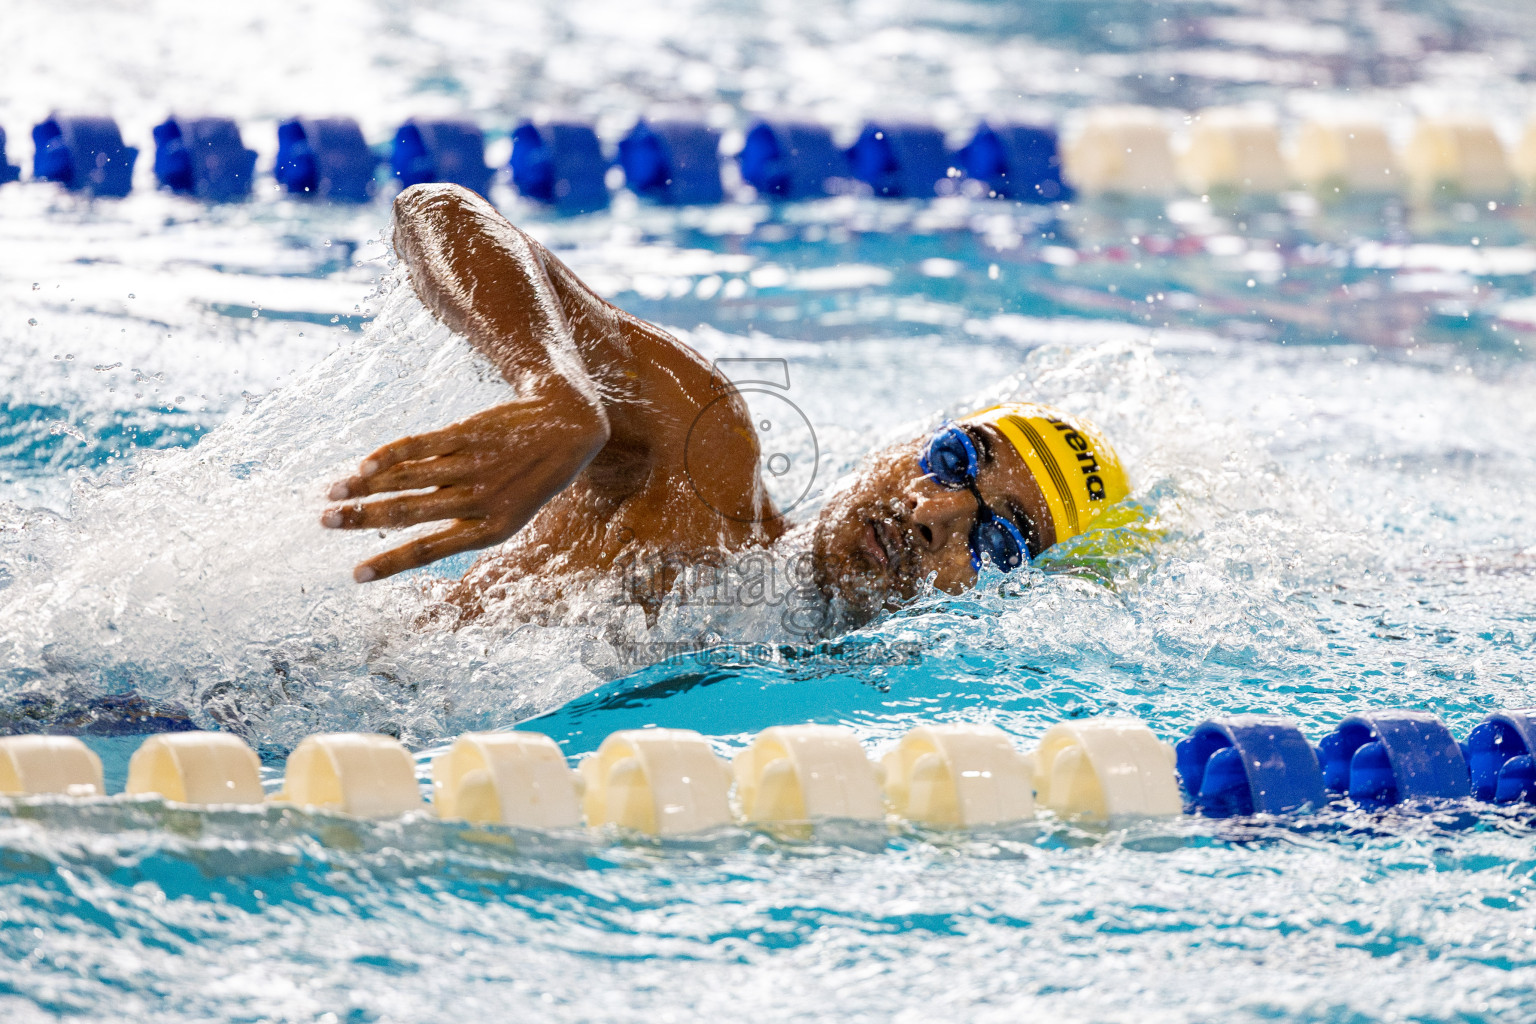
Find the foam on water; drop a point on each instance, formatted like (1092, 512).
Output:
(199, 580)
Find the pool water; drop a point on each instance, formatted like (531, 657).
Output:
(1326, 406)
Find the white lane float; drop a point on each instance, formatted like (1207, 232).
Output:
(1232, 149)
(196, 768)
(663, 782)
(1103, 768)
(506, 778)
(1353, 156)
(1120, 150)
(1523, 160)
(1461, 156)
(960, 776)
(805, 773)
(668, 782)
(363, 774)
(39, 765)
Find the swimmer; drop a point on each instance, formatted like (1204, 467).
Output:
(585, 468)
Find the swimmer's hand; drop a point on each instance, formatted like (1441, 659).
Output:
(588, 378)
(486, 476)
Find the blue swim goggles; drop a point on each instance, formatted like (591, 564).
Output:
(950, 458)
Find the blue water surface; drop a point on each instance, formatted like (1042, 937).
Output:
(1325, 405)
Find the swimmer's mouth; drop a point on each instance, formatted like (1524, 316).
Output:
(882, 544)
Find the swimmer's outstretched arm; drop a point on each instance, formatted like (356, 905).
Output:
(589, 380)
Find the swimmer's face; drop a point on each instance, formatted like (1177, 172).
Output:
(879, 539)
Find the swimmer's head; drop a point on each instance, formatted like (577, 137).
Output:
(966, 494)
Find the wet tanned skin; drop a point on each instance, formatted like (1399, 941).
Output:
(585, 465)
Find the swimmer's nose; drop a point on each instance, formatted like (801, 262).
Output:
(940, 515)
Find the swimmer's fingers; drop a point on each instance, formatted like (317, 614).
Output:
(418, 446)
(404, 510)
(465, 535)
(442, 471)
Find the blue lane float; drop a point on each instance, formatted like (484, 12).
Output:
(900, 160)
(1385, 757)
(1016, 161)
(1249, 764)
(791, 159)
(9, 172)
(451, 151)
(560, 163)
(326, 158)
(203, 157)
(673, 162)
(84, 154)
(1500, 759)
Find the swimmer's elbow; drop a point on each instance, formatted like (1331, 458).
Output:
(437, 231)
(431, 200)
(417, 212)
(589, 426)
(599, 430)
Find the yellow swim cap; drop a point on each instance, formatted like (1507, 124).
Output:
(1072, 462)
